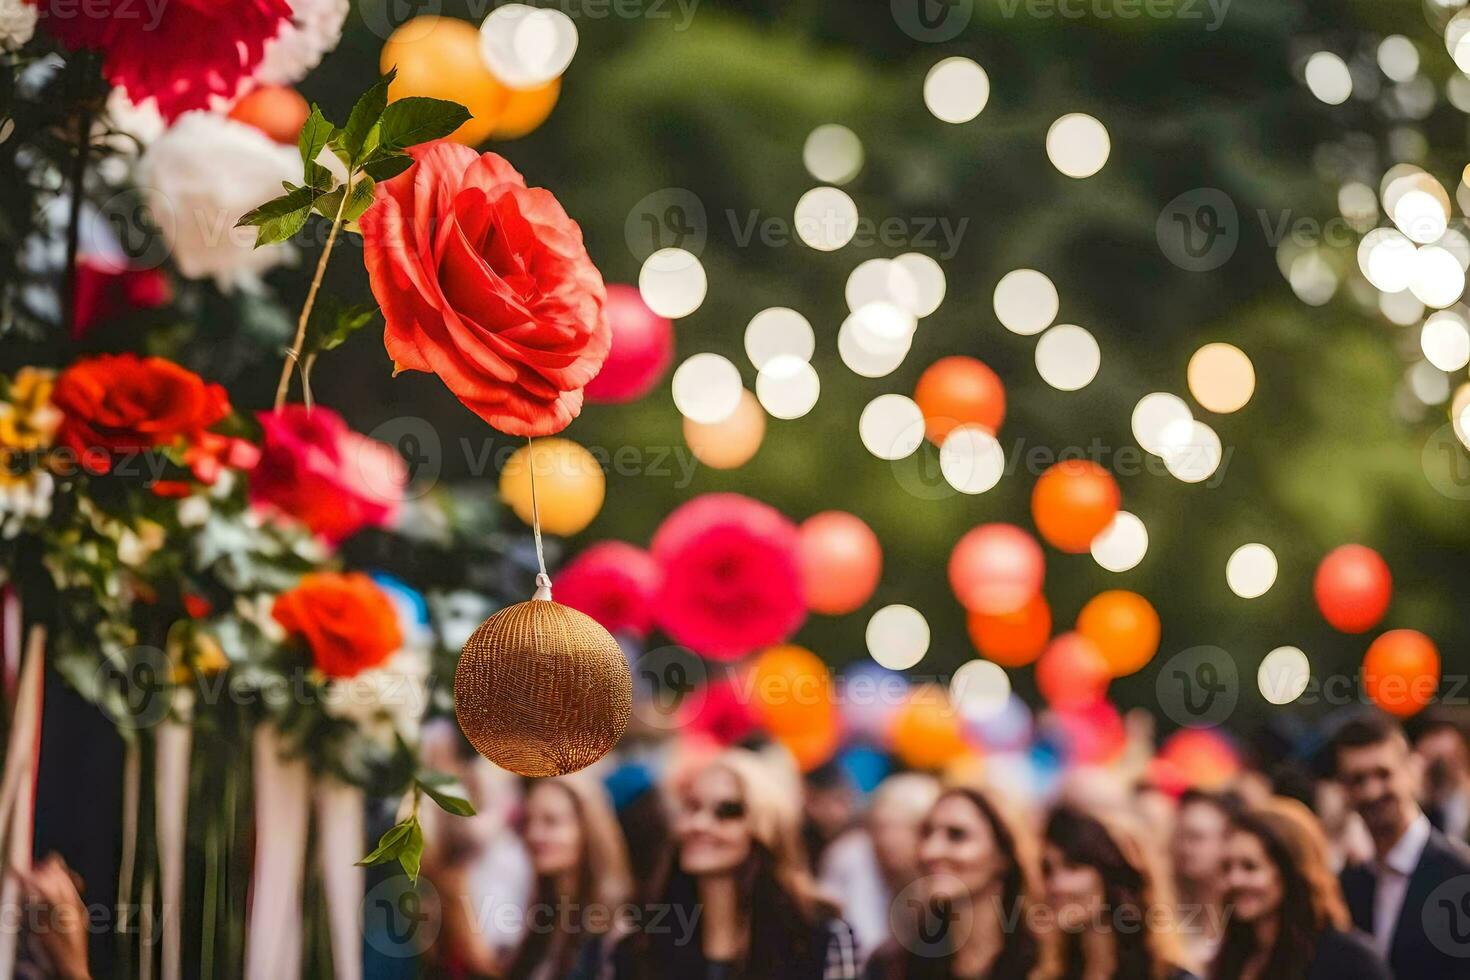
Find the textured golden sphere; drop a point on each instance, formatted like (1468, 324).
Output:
(542, 689)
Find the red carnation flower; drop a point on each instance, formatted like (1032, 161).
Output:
(732, 580)
(347, 622)
(614, 583)
(121, 403)
(181, 54)
(485, 282)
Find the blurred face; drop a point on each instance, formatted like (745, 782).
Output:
(712, 827)
(1379, 783)
(1198, 844)
(829, 809)
(1253, 886)
(1074, 891)
(1446, 761)
(895, 833)
(957, 850)
(553, 833)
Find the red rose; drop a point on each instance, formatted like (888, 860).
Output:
(486, 283)
(181, 54)
(106, 290)
(119, 403)
(314, 468)
(347, 622)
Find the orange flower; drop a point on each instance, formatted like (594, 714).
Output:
(345, 619)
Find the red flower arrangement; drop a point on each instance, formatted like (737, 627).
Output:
(181, 54)
(486, 283)
(732, 580)
(106, 290)
(122, 403)
(615, 583)
(335, 481)
(347, 622)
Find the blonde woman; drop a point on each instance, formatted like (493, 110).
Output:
(735, 900)
(583, 884)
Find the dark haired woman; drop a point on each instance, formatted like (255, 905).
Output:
(1288, 918)
(736, 900)
(583, 884)
(1107, 900)
(971, 914)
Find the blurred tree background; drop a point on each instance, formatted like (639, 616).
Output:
(717, 98)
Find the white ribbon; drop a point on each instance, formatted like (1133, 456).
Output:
(18, 792)
(339, 837)
(282, 808)
(171, 805)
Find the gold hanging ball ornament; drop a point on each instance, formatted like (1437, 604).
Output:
(542, 689)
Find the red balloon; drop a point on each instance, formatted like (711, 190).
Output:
(1012, 639)
(613, 582)
(1353, 588)
(841, 561)
(1094, 733)
(1073, 502)
(956, 391)
(996, 569)
(1071, 674)
(1401, 671)
(642, 348)
(1201, 757)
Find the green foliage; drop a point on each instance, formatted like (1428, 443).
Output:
(404, 841)
(332, 322)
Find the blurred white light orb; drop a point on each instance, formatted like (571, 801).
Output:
(956, 90)
(833, 154)
(1445, 341)
(1457, 40)
(1328, 78)
(1460, 414)
(777, 331)
(526, 47)
(882, 281)
(971, 459)
(1398, 58)
(1312, 278)
(1402, 308)
(1387, 259)
(1026, 302)
(1251, 571)
(706, 388)
(787, 387)
(1152, 417)
(1284, 675)
(1078, 145)
(980, 689)
(1438, 280)
(1358, 204)
(826, 218)
(874, 339)
(928, 278)
(1428, 383)
(672, 282)
(1192, 451)
(1221, 378)
(1122, 544)
(891, 426)
(1067, 357)
(1420, 216)
(898, 637)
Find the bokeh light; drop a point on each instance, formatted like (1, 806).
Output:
(891, 426)
(956, 90)
(928, 279)
(874, 339)
(971, 459)
(1078, 145)
(1251, 571)
(672, 282)
(1026, 302)
(1328, 78)
(707, 388)
(776, 332)
(1122, 544)
(1067, 357)
(1386, 258)
(526, 47)
(898, 637)
(1398, 58)
(1445, 340)
(1284, 675)
(826, 218)
(787, 386)
(1152, 417)
(981, 690)
(1221, 378)
(1438, 279)
(1191, 450)
(729, 443)
(882, 281)
(833, 154)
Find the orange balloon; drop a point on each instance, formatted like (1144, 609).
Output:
(1072, 673)
(526, 110)
(817, 744)
(439, 57)
(1124, 627)
(1073, 502)
(570, 485)
(1200, 757)
(957, 391)
(841, 562)
(277, 111)
(1012, 639)
(925, 731)
(1401, 672)
(729, 444)
(791, 688)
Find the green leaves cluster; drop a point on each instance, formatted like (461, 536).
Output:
(371, 146)
(404, 841)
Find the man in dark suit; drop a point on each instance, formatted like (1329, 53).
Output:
(1442, 743)
(1413, 898)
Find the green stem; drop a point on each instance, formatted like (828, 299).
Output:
(294, 355)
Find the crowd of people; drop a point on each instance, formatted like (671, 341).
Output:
(739, 867)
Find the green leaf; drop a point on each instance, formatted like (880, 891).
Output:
(438, 787)
(314, 135)
(391, 844)
(331, 323)
(411, 852)
(365, 116)
(281, 218)
(360, 201)
(409, 122)
(319, 177)
(386, 167)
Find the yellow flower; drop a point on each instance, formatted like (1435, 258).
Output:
(208, 658)
(28, 420)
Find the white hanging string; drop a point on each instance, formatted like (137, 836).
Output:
(543, 580)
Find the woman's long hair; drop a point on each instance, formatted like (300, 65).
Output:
(782, 908)
(603, 887)
(1024, 953)
(1311, 899)
(1147, 950)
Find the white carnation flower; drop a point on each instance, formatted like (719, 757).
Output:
(314, 29)
(385, 700)
(17, 23)
(204, 173)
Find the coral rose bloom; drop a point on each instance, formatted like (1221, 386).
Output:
(347, 622)
(486, 283)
